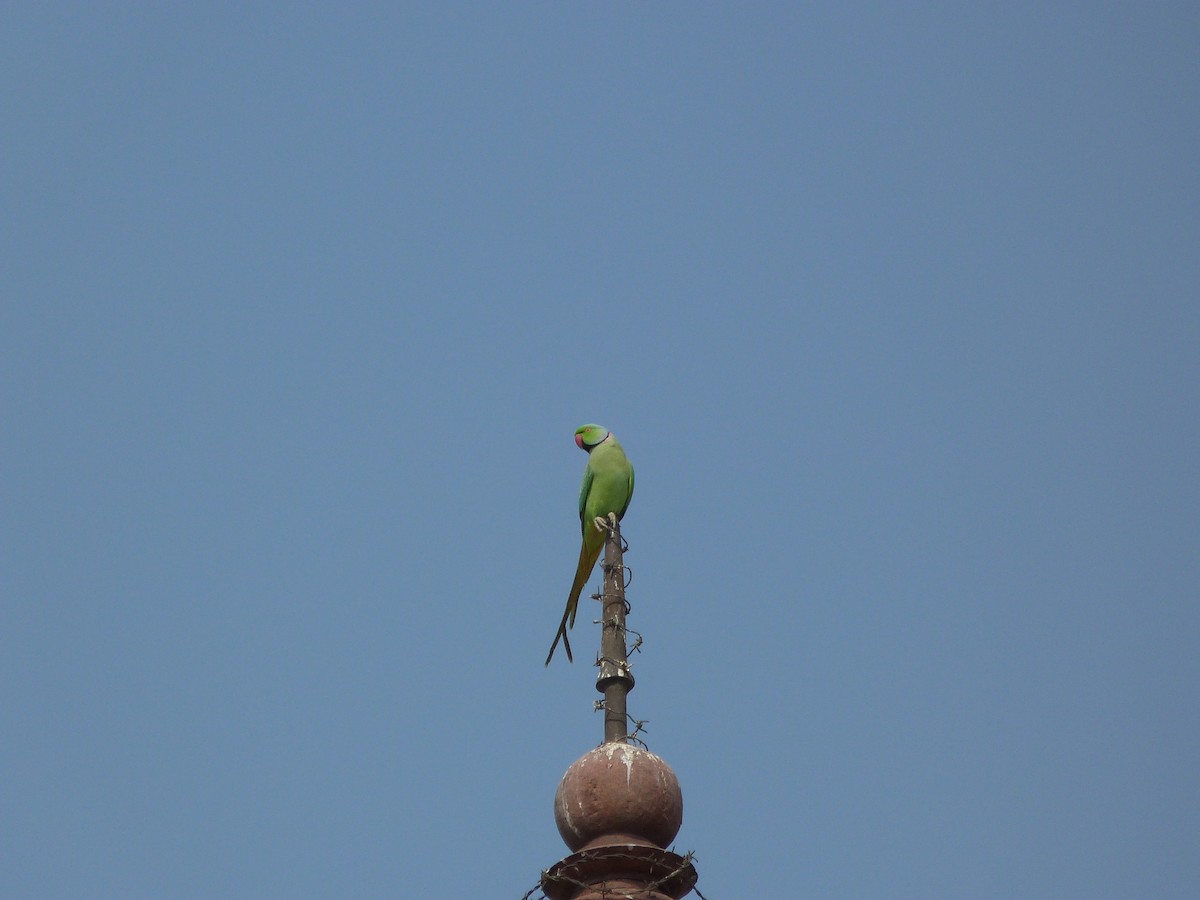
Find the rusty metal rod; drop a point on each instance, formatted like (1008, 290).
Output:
(615, 681)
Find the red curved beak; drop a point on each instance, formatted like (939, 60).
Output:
(579, 441)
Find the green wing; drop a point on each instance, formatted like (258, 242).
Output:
(584, 489)
(628, 497)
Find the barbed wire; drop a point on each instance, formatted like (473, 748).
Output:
(639, 725)
(626, 572)
(626, 581)
(637, 644)
(611, 623)
(640, 893)
(686, 863)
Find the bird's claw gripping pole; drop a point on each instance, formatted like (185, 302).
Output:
(615, 680)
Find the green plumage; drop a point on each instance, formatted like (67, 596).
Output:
(607, 488)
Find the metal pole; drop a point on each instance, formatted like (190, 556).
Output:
(615, 681)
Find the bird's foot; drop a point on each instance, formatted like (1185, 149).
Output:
(606, 523)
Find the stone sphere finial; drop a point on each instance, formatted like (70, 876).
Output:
(618, 794)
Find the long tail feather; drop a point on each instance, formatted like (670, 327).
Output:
(587, 562)
(562, 634)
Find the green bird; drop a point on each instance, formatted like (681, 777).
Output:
(606, 490)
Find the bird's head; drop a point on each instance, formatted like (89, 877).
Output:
(588, 436)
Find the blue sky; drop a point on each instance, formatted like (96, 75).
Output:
(893, 307)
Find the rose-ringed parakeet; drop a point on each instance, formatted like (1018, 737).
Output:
(606, 490)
